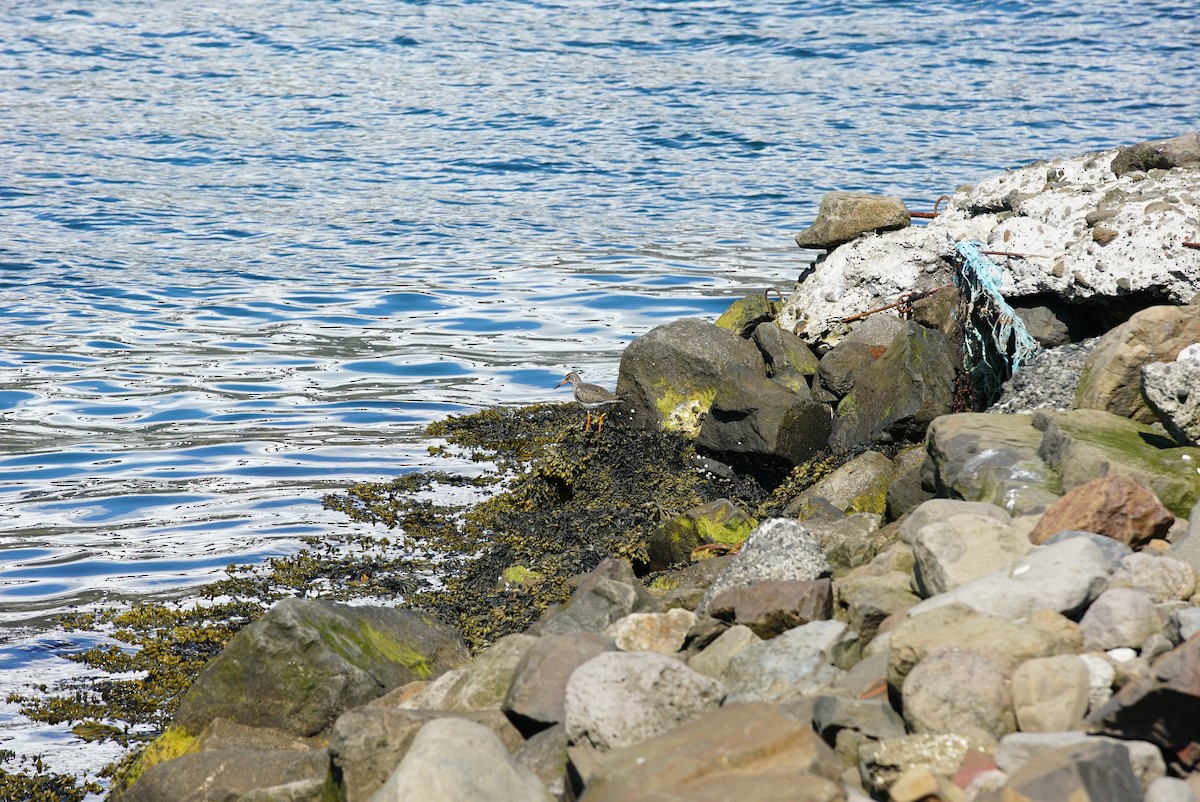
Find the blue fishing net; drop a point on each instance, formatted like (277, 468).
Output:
(995, 341)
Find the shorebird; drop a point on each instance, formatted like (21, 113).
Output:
(591, 396)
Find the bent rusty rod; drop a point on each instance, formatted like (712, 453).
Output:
(905, 299)
(1195, 245)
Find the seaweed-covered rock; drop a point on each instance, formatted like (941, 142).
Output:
(720, 521)
(745, 314)
(896, 396)
(304, 662)
(670, 375)
(860, 485)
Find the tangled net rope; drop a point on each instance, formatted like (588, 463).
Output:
(995, 340)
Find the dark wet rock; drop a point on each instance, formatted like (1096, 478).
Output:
(839, 367)
(771, 751)
(721, 521)
(1044, 325)
(536, 696)
(1162, 154)
(685, 586)
(453, 759)
(904, 492)
(219, 774)
(305, 661)
(1172, 392)
(783, 351)
(1162, 707)
(779, 548)
(607, 594)
(1087, 444)
(1119, 507)
(896, 396)
(761, 426)
(991, 458)
(670, 375)
(869, 597)
(771, 607)
(843, 216)
(619, 699)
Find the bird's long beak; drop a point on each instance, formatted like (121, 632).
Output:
(560, 384)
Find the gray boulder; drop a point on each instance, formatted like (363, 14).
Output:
(783, 351)
(1064, 578)
(1050, 694)
(761, 425)
(1172, 392)
(896, 396)
(305, 661)
(670, 375)
(960, 691)
(843, 216)
(618, 699)
(954, 551)
(800, 662)
(368, 743)
(536, 697)
(1119, 617)
(938, 509)
(1094, 770)
(991, 458)
(453, 759)
(607, 594)
(484, 683)
(779, 548)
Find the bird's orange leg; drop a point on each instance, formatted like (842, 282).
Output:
(600, 422)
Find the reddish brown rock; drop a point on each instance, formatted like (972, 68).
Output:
(1119, 507)
(772, 607)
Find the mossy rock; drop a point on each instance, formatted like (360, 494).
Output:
(306, 661)
(744, 314)
(1085, 444)
(720, 521)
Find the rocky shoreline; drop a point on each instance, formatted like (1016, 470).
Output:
(951, 604)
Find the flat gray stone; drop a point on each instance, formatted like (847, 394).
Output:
(779, 548)
(800, 662)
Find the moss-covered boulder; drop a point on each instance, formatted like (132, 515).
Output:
(783, 351)
(306, 661)
(896, 396)
(1085, 444)
(745, 314)
(719, 521)
(670, 375)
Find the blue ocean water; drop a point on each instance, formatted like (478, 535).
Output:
(248, 251)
